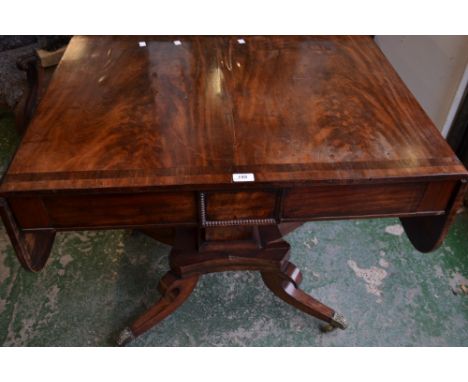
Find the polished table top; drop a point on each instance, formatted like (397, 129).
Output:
(191, 111)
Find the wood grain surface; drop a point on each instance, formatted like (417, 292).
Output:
(288, 109)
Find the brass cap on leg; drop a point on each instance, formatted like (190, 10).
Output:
(338, 321)
(125, 336)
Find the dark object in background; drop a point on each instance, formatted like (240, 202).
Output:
(15, 52)
(37, 74)
(458, 135)
(52, 43)
(44, 42)
(14, 42)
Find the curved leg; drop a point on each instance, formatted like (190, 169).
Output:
(285, 285)
(175, 291)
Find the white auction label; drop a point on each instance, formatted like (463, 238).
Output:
(245, 177)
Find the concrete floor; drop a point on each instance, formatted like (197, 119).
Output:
(366, 269)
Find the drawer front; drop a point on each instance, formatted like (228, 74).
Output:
(404, 199)
(229, 206)
(105, 210)
(239, 207)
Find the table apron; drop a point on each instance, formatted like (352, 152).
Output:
(236, 207)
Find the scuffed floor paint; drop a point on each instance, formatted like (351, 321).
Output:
(458, 283)
(373, 277)
(311, 242)
(395, 229)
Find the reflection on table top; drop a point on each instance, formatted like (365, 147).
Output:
(171, 111)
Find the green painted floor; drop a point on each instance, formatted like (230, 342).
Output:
(366, 269)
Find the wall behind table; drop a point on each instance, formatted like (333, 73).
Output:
(435, 69)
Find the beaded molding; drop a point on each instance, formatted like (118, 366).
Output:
(223, 223)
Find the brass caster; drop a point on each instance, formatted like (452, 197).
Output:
(125, 337)
(327, 328)
(338, 321)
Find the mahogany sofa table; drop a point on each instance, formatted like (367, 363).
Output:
(220, 145)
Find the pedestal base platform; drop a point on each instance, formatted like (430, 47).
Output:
(199, 251)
